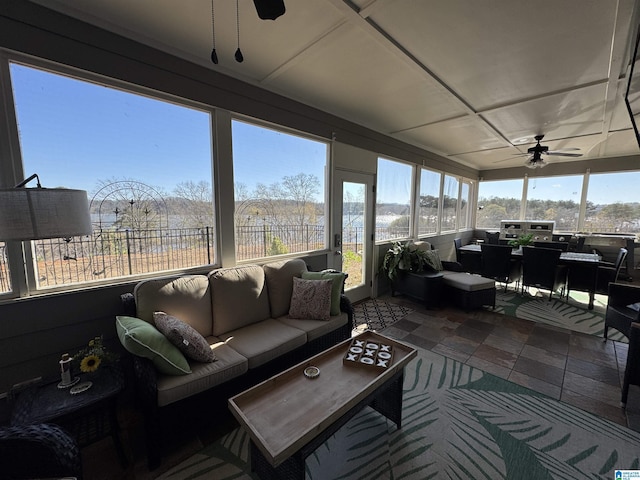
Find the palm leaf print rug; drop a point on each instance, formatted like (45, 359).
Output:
(572, 314)
(458, 423)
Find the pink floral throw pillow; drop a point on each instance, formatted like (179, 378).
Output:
(184, 337)
(311, 299)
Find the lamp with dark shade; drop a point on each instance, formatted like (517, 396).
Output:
(39, 213)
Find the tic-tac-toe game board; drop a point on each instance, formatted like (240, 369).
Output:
(368, 353)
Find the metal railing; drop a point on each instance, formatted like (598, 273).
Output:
(109, 253)
(119, 253)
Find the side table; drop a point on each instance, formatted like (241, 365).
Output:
(88, 416)
(423, 286)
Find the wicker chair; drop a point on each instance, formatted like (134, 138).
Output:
(38, 451)
(618, 314)
(632, 371)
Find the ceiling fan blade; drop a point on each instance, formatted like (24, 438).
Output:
(511, 158)
(569, 149)
(562, 154)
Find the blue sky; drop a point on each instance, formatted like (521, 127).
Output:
(75, 134)
(603, 188)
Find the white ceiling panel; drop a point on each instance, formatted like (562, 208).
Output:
(380, 88)
(464, 79)
(495, 52)
(575, 113)
(459, 135)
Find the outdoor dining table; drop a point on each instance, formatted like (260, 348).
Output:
(584, 266)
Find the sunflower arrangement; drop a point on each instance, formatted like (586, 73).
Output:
(93, 355)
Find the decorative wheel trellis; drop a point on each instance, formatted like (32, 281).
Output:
(131, 219)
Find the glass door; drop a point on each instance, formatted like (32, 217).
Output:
(352, 241)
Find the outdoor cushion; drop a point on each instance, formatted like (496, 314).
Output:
(143, 339)
(467, 281)
(311, 299)
(184, 337)
(229, 364)
(279, 278)
(316, 328)
(239, 297)
(186, 297)
(336, 287)
(264, 341)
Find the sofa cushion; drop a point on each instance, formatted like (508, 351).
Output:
(311, 299)
(336, 287)
(143, 339)
(264, 341)
(229, 364)
(186, 297)
(184, 337)
(279, 277)
(239, 297)
(467, 281)
(316, 328)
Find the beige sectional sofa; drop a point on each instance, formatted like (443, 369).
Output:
(243, 314)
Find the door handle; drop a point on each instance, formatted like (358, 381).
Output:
(337, 252)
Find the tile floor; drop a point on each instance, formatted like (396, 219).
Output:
(576, 368)
(573, 367)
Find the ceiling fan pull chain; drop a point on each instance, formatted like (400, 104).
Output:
(214, 55)
(239, 57)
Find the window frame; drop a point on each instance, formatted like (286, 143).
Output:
(326, 178)
(22, 272)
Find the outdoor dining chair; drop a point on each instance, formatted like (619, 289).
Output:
(498, 264)
(541, 269)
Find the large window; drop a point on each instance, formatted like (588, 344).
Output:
(145, 163)
(393, 200)
(429, 201)
(498, 200)
(279, 191)
(449, 203)
(555, 198)
(613, 203)
(465, 203)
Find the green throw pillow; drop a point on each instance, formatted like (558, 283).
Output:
(336, 287)
(144, 340)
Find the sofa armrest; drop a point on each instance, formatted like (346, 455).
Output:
(452, 266)
(347, 307)
(128, 303)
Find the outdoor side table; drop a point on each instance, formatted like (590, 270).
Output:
(88, 416)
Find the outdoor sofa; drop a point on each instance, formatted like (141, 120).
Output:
(252, 318)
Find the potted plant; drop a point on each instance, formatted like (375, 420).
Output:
(522, 240)
(403, 257)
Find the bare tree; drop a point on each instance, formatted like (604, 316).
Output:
(196, 207)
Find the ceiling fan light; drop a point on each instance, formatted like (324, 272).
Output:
(535, 163)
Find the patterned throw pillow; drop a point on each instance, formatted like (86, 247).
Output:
(184, 337)
(433, 259)
(311, 299)
(336, 289)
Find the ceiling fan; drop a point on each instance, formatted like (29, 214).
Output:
(535, 154)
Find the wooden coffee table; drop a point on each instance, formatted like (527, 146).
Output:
(289, 415)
